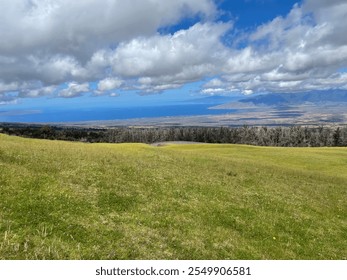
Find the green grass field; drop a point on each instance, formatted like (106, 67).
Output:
(61, 200)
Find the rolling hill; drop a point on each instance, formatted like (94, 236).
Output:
(62, 200)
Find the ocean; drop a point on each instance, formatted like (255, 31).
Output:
(100, 114)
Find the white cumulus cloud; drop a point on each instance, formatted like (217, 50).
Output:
(109, 84)
(54, 42)
(118, 46)
(74, 90)
(292, 53)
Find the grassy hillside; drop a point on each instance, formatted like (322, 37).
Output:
(61, 200)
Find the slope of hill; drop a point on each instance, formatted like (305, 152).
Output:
(62, 200)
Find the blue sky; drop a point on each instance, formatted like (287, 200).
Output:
(82, 54)
(252, 13)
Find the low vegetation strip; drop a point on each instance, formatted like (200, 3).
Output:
(292, 136)
(65, 200)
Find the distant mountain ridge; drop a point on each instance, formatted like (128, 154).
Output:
(316, 97)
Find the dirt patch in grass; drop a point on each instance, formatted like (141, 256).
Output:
(160, 144)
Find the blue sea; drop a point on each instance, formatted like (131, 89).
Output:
(99, 114)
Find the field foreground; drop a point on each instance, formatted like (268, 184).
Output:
(61, 200)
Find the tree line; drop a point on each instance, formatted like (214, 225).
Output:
(293, 136)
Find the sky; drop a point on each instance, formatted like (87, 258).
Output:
(62, 53)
